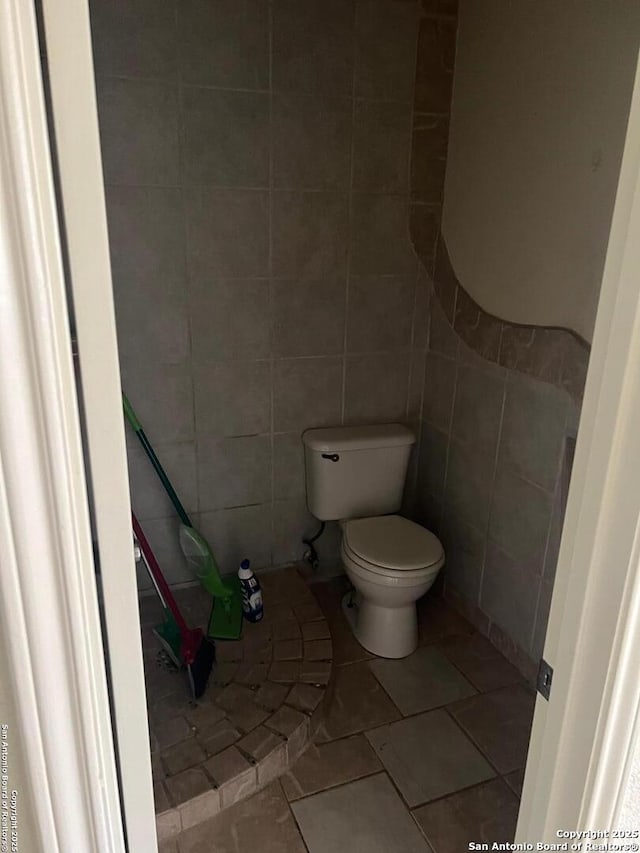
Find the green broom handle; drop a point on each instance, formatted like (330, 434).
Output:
(144, 441)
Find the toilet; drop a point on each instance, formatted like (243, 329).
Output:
(356, 475)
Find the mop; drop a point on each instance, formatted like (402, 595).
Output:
(225, 622)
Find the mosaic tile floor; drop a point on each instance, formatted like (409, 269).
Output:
(419, 755)
(261, 707)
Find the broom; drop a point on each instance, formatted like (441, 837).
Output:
(184, 645)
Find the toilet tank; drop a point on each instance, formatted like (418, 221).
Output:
(353, 472)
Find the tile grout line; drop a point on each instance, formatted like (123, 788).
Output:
(481, 692)
(415, 714)
(464, 790)
(449, 433)
(266, 359)
(345, 340)
(271, 319)
(383, 771)
(264, 188)
(335, 786)
(444, 707)
(417, 276)
(474, 743)
(380, 771)
(386, 692)
(486, 532)
(291, 812)
(298, 93)
(187, 266)
(556, 493)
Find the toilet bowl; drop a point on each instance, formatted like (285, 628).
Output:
(391, 562)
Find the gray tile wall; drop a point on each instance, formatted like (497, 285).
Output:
(256, 159)
(493, 471)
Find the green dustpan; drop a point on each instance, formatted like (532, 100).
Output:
(225, 622)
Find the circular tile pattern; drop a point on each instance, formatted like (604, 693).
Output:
(263, 703)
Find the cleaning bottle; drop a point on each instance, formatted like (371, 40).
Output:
(251, 593)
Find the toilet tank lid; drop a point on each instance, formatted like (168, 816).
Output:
(332, 439)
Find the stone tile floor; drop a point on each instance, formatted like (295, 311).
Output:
(261, 707)
(420, 755)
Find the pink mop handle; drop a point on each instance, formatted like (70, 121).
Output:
(164, 587)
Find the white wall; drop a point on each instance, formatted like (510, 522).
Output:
(541, 97)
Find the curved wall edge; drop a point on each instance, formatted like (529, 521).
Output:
(554, 355)
(557, 356)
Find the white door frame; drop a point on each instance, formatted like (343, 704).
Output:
(73, 105)
(582, 738)
(48, 603)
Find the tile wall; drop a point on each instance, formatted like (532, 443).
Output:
(493, 473)
(257, 167)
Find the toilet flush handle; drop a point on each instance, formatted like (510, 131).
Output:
(332, 457)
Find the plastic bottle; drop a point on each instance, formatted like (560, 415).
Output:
(251, 593)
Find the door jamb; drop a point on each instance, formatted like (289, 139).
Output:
(75, 119)
(48, 598)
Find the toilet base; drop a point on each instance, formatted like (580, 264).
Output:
(388, 632)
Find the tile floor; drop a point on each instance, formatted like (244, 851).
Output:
(420, 755)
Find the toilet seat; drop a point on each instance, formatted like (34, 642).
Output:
(380, 574)
(391, 545)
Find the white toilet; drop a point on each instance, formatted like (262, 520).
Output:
(356, 475)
